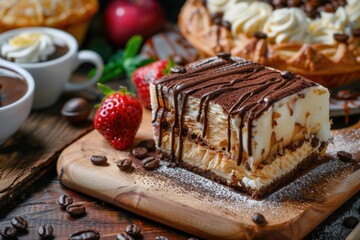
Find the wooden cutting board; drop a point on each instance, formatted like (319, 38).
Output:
(196, 205)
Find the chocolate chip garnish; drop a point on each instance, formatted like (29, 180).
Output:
(76, 209)
(344, 156)
(124, 164)
(340, 37)
(356, 32)
(286, 74)
(258, 218)
(161, 238)
(350, 222)
(151, 163)
(45, 231)
(65, 200)
(98, 159)
(177, 69)
(260, 35)
(140, 152)
(315, 142)
(19, 223)
(133, 230)
(223, 55)
(124, 236)
(85, 235)
(8, 232)
(149, 144)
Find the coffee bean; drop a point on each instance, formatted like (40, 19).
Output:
(8, 232)
(85, 235)
(356, 32)
(340, 37)
(76, 110)
(124, 236)
(151, 163)
(65, 200)
(344, 156)
(124, 164)
(286, 74)
(98, 159)
(177, 69)
(161, 238)
(350, 222)
(223, 55)
(260, 35)
(149, 144)
(133, 230)
(315, 142)
(140, 152)
(19, 223)
(258, 218)
(76, 209)
(46, 231)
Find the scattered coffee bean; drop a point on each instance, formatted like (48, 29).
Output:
(140, 152)
(46, 231)
(76, 209)
(350, 222)
(260, 35)
(343, 38)
(19, 223)
(124, 236)
(177, 69)
(76, 110)
(98, 159)
(223, 55)
(149, 144)
(344, 156)
(133, 230)
(65, 200)
(151, 163)
(315, 142)
(85, 235)
(161, 238)
(286, 74)
(8, 232)
(258, 218)
(124, 164)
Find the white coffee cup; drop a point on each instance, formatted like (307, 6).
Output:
(52, 77)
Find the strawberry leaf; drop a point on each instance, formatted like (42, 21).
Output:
(171, 63)
(107, 91)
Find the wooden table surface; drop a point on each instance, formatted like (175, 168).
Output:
(38, 203)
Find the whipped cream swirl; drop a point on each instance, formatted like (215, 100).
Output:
(353, 11)
(287, 25)
(252, 18)
(216, 6)
(28, 48)
(322, 30)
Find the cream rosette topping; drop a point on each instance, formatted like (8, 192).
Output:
(29, 48)
(252, 18)
(287, 25)
(216, 6)
(353, 11)
(322, 30)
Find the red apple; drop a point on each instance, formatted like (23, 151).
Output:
(125, 18)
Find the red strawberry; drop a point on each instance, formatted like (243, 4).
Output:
(118, 118)
(143, 76)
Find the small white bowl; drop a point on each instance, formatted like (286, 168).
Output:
(13, 115)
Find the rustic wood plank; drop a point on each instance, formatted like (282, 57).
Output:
(27, 155)
(166, 196)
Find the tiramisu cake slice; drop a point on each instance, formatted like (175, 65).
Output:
(239, 123)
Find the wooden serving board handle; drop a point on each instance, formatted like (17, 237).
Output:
(196, 205)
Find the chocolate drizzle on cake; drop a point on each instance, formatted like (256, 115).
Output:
(242, 88)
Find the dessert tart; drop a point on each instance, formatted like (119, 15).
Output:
(240, 123)
(69, 15)
(319, 39)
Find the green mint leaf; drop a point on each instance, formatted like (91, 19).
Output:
(117, 56)
(107, 91)
(131, 64)
(133, 46)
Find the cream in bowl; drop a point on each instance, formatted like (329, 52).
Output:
(51, 56)
(16, 98)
